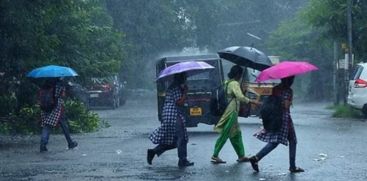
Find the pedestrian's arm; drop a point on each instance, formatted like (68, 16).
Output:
(287, 104)
(182, 99)
(235, 86)
(288, 97)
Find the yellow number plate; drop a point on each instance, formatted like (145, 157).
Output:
(196, 111)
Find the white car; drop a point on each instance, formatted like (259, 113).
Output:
(357, 95)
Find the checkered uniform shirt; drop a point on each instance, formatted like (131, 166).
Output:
(55, 115)
(287, 131)
(166, 133)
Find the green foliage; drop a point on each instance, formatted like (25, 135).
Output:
(80, 119)
(345, 111)
(7, 104)
(78, 34)
(25, 122)
(75, 33)
(294, 39)
(160, 28)
(330, 15)
(28, 120)
(310, 35)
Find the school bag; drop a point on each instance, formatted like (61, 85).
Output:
(219, 101)
(271, 113)
(47, 99)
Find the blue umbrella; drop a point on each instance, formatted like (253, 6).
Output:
(52, 71)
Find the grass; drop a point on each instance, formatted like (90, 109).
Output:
(345, 111)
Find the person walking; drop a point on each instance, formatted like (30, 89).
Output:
(228, 126)
(172, 133)
(54, 113)
(287, 132)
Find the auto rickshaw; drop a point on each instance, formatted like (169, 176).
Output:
(202, 86)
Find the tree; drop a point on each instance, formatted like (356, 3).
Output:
(73, 33)
(331, 16)
(296, 40)
(152, 28)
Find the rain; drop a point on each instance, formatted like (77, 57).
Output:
(183, 90)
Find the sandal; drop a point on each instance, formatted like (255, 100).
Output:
(243, 159)
(217, 160)
(254, 163)
(296, 170)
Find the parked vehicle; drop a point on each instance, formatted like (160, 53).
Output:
(201, 85)
(78, 92)
(357, 94)
(106, 91)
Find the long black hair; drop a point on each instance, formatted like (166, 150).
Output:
(287, 81)
(236, 72)
(179, 78)
(49, 83)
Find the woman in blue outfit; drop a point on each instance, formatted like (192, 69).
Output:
(172, 133)
(286, 134)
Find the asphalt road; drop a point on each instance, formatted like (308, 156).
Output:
(328, 149)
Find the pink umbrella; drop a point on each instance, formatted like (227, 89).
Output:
(285, 69)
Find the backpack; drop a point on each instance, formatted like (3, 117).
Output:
(219, 102)
(47, 99)
(271, 113)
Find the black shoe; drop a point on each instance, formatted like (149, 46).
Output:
(73, 145)
(296, 170)
(43, 148)
(185, 163)
(254, 163)
(150, 156)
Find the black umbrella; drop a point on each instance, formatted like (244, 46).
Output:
(246, 56)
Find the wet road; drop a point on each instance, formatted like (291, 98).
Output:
(328, 149)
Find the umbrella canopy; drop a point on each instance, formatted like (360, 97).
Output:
(285, 69)
(246, 56)
(52, 71)
(190, 67)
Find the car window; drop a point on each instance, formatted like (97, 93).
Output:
(363, 74)
(200, 76)
(252, 75)
(357, 72)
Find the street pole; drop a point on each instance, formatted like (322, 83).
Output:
(335, 73)
(350, 46)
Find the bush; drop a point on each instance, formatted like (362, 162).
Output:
(345, 111)
(80, 119)
(28, 119)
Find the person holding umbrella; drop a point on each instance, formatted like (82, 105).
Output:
(51, 116)
(172, 133)
(228, 126)
(51, 101)
(285, 71)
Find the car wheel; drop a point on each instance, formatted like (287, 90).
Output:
(364, 110)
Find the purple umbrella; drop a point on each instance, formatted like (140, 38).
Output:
(190, 67)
